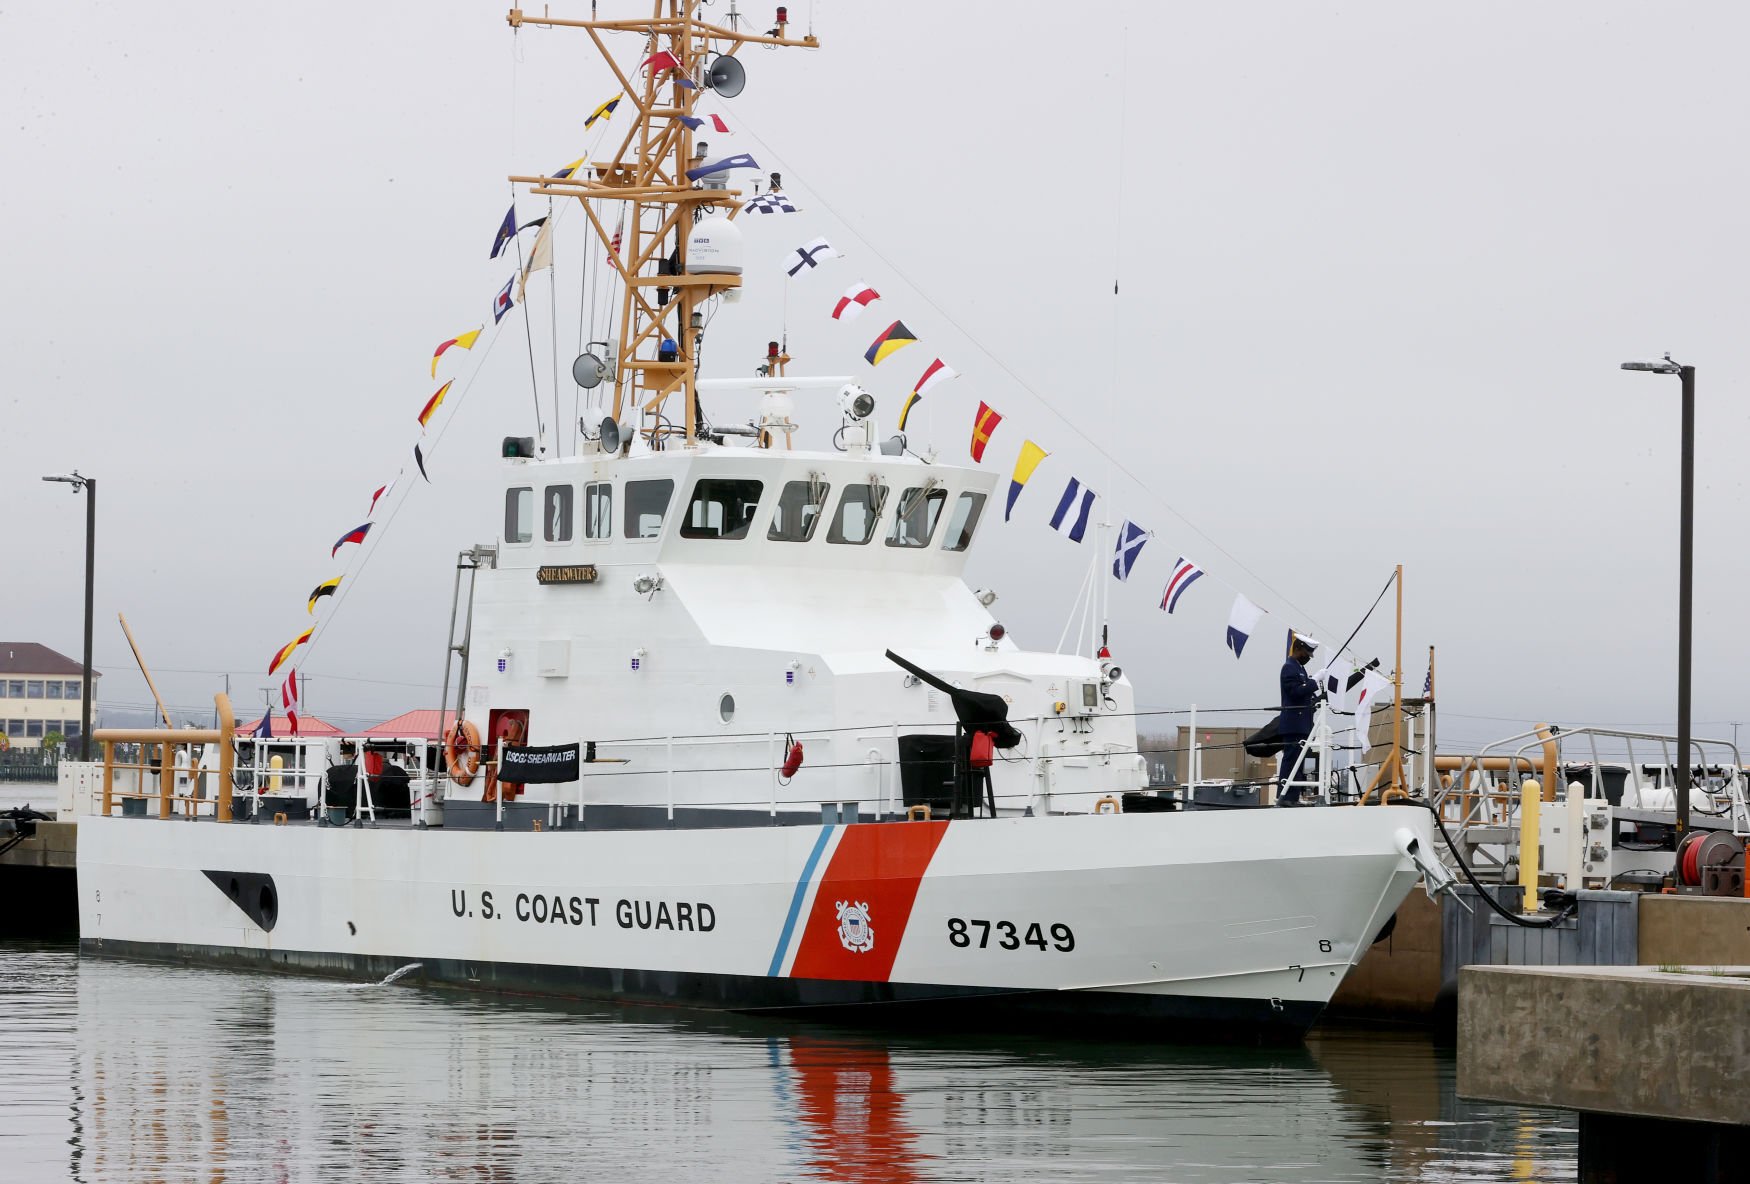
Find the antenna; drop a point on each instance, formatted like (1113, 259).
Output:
(644, 177)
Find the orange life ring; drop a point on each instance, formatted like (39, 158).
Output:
(462, 751)
(511, 730)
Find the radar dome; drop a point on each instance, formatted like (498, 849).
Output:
(714, 248)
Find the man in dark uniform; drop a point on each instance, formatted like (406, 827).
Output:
(1298, 690)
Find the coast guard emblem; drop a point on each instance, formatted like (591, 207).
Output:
(854, 931)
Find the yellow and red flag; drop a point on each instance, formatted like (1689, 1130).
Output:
(286, 650)
(982, 427)
(430, 408)
(461, 341)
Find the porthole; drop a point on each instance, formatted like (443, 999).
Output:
(726, 708)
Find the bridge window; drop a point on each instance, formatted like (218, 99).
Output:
(721, 508)
(556, 514)
(798, 511)
(915, 521)
(598, 510)
(859, 510)
(519, 515)
(646, 506)
(963, 521)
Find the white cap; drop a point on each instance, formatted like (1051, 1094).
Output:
(1311, 643)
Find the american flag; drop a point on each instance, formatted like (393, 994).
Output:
(614, 243)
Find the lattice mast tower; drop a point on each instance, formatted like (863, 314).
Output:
(649, 172)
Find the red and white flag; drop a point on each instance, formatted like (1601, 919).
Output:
(936, 372)
(289, 700)
(853, 302)
(614, 243)
(662, 60)
(378, 496)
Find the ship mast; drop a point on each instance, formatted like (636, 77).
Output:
(648, 172)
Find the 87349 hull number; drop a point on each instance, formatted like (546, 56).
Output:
(964, 932)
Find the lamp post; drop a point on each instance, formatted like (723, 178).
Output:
(1685, 569)
(89, 485)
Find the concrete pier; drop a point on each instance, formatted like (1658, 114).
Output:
(1656, 1060)
(38, 883)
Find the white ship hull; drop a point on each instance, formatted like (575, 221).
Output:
(1249, 919)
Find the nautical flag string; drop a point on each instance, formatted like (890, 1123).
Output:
(936, 372)
(1131, 539)
(506, 231)
(565, 172)
(770, 203)
(698, 121)
(1242, 622)
(605, 111)
(503, 302)
(433, 403)
(856, 298)
(285, 651)
(1185, 573)
(325, 588)
(419, 459)
(355, 535)
(378, 496)
(460, 341)
(893, 339)
(740, 160)
(540, 257)
(289, 700)
(911, 400)
(662, 60)
(1073, 493)
(1031, 455)
(983, 425)
(809, 255)
(264, 726)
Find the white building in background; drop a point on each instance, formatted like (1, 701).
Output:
(41, 691)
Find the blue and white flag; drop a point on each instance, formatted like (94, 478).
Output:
(1185, 573)
(809, 255)
(1242, 622)
(264, 729)
(740, 160)
(1131, 537)
(1072, 493)
(770, 203)
(501, 304)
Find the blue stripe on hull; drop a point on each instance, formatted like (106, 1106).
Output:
(796, 900)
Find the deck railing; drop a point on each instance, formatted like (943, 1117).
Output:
(157, 755)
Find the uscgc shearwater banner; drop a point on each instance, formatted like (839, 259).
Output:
(538, 766)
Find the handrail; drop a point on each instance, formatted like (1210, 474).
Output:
(168, 741)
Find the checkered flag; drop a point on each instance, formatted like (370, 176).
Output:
(770, 203)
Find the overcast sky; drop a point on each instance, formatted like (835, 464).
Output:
(1379, 264)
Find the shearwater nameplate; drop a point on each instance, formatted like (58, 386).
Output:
(574, 573)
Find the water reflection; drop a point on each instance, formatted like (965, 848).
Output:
(139, 1073)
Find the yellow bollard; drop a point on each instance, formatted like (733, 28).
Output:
(276, 761)
(1530, 841)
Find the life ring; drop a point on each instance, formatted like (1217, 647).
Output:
(511, 729)
(462, 751)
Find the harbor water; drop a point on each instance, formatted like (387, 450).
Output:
(118, 1071)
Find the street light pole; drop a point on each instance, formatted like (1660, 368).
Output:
(1685, 569)
(89, 485)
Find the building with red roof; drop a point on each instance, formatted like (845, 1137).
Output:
(425, 723)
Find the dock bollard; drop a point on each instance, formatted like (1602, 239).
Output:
(1530, 841)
